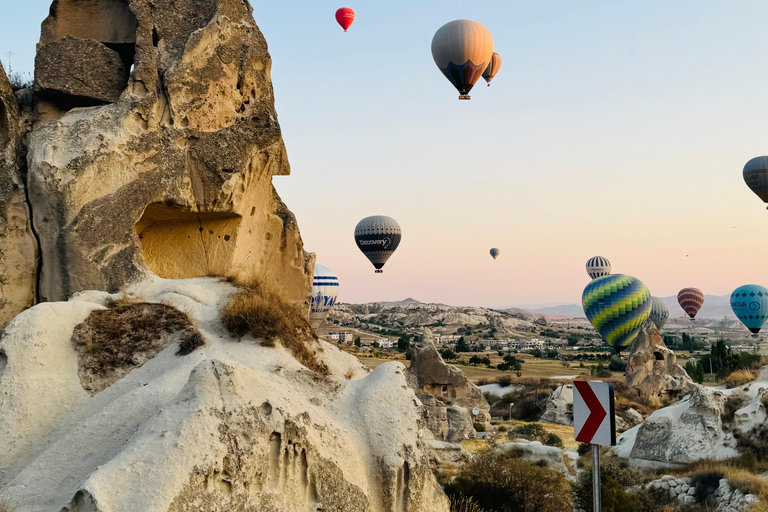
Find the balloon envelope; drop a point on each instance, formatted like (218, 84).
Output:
(493, 68)
(462, 50)
(378, 237)
(750, 305)
(659, 312)
(691, 300)
(325, 291)
(597, 266)
(344, 17)
(495, 252)
(617, 305)
(756, 176)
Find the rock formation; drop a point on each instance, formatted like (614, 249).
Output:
(652, 369)
(233, 425)
(429, 375)
(149, 146)
(451, 424)
(559, 407)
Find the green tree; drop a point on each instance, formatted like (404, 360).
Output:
(358, 342)
(462, 346)
(404, 342)
(448, 354)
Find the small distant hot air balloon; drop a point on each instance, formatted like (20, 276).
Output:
(659, 312)
(345, 16)
(462, 50)
(495, 253)
(756, 176)
(691, 300)
(325, 291)
(493, 68)
(597, 266)
(378, 237)
(750, 305)
(617, 305)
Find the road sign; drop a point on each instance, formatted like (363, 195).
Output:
(475, 411)
(594, 419)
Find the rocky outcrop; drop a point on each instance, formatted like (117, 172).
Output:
(723, 498)
(753, 414)
(171, 173)
(559, 407)
(652, 369)
(429, 375)
(233, 425)
(451, 424)
(686, 431)
(534, 451)
(82, 68)
(18, 248)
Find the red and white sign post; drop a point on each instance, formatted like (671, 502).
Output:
(594, 422)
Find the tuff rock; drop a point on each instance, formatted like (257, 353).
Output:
(652, 369)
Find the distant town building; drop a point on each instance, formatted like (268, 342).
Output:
(385, 343)
(332, 336)
(447, 338)
(527, 344)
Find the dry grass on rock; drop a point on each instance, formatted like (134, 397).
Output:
(269, 317)
(740, 378)
(112, 342)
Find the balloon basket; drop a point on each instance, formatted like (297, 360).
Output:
(377, 271)
(464, 97)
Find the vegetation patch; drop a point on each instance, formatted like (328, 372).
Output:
(269, 317)
(740, 378)
(111, 342)
(615, 478)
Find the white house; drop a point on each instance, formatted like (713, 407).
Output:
(385, 343)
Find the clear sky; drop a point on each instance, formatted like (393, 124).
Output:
(614, 127)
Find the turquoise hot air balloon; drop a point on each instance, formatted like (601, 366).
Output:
(750, 304)
(659, 312)
(617, 305)
(495, 253)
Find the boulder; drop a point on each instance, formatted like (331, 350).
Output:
(428, 374)
(560, 406)
(175, 176)
(18, 247)
(83, 68)
(446, 456)
(753, 414)
(652, 369)
(447, 423)
(535, 451)
(687, 431)
(232, 425)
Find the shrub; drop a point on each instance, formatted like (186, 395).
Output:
(267, 316)
(479, 427)
(615, 477)
(553, 439)
(583, 449)
(462, 504)
(504, 381)
(531, 431)
(498, 482)
(617, 365)
(740, 378)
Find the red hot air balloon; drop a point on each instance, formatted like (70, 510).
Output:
(345, 16)
(691, 300)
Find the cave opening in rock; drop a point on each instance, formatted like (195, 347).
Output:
(658, 356)
(178, 243)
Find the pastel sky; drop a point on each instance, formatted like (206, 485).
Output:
(614, 127)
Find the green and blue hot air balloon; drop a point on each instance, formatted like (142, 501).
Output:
(750, 304)
(617, 305)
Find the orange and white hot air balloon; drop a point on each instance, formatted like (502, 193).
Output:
(493, 68)
(462, 50)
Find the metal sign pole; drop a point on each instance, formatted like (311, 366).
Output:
(596, 501)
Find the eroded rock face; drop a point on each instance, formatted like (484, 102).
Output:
(230, 426)
(652, 369)
(686, 431)
(560, 406)
(174, 174)
(451, 424)
(429, 375)
(18, 248)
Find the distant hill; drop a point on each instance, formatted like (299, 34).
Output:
(715, 307)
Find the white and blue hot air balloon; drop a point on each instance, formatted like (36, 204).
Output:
(325, 291)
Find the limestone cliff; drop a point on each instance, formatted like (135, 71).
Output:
(149, 146)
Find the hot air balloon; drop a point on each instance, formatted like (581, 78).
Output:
(378, 237)
(691, 300)
(597, 266)
(345, 16)
(659, 312)
(462, 50)
(493, 68)
(325, 291)
(617, 305)
(750, 305)
(756, 176)
(495, 253)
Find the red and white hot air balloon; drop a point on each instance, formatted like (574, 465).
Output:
(345, 16)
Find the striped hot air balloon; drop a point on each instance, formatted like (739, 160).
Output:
(378, 237)
(325, 291)
(691, 300)
(617, 305)
(659, 312)
(597, 266)
(750, 305)
(462, 50)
